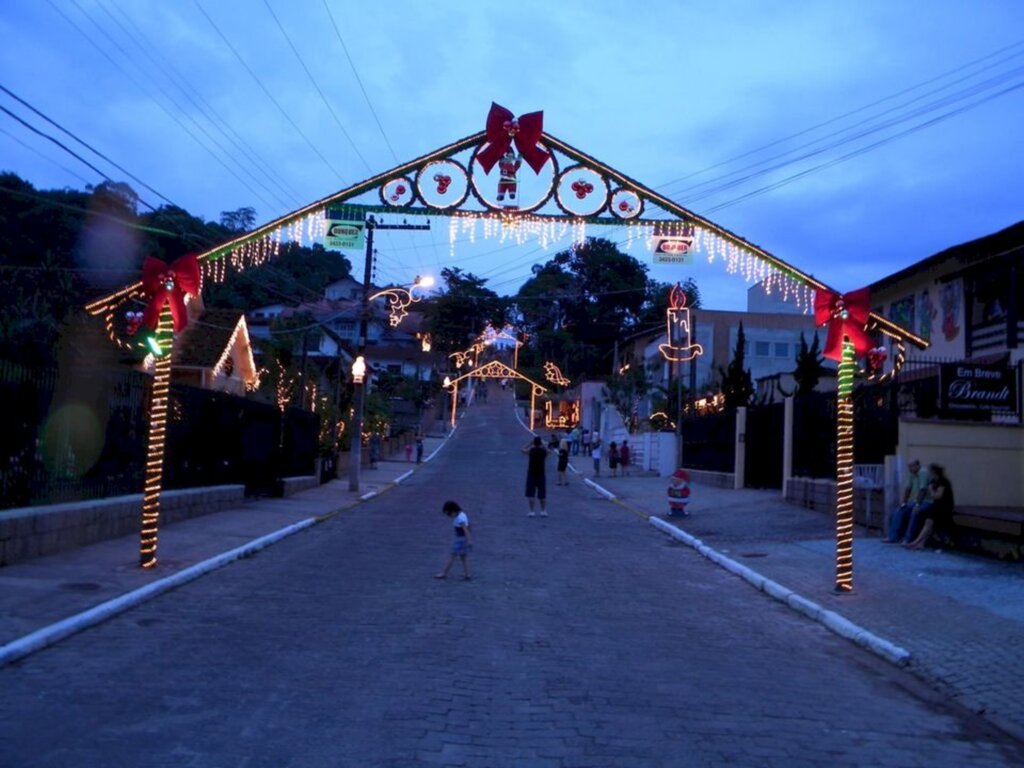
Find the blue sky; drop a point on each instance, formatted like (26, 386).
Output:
(662, 91)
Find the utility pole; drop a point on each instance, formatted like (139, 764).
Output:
(359, 395)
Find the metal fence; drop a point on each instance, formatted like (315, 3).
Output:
(709, 442)
(84, 436)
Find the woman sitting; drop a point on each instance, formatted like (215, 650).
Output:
(937, 514)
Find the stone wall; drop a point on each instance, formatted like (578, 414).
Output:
(30, 532)
(815, 493)
(714, 479)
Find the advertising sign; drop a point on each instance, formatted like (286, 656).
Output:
(676, 249)
(975, 385)
(344, 235)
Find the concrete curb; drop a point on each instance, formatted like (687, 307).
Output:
(404, 475)
(603, 491)
(444, 442)
(828, 619)
(47, 636)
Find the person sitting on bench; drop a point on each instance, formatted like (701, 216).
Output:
(937, 514)
(915, 492)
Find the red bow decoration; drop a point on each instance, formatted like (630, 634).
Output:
(503, 129)
(846, 315)
(165, 283)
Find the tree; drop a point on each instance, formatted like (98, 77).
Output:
(463, 309)
(737, 386)
(808, 366)
(580, 302)
(626, 388)
(240, 220)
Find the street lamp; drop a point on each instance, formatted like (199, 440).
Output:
(358, 369)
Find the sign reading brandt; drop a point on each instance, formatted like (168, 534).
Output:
(975, 385)
(344, 235)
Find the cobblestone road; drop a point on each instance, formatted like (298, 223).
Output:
(585, 639)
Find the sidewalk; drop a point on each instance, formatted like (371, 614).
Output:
(46, 599)
(960, 617)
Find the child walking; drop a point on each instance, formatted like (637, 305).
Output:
(461, 544)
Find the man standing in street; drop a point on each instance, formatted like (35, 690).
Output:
(535, 479)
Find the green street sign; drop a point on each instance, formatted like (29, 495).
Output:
(344, 235)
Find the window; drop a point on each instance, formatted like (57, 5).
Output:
(781, 349)
(762, 349)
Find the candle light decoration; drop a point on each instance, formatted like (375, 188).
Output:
(677, 319)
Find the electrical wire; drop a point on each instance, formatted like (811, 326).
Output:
(35, 151)
(316, 86)
(941, 103)
(88, 146)
(270, 190)
(159, 104)
(843, 116)
(143, 42)
(268, 94)
(359, 80)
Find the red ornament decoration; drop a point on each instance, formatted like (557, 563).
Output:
(876, 359)
(582, 188)
(846, 316)
(134, 321)
(443, 182)
(169, 283)
(503, 129)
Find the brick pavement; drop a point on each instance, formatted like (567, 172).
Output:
(961, 616)
(586, 639)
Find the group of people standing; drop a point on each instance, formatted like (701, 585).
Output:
(927, 505)
(619, 458)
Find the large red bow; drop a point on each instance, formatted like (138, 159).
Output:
(846, 315)
(503, 129)
(169, 283)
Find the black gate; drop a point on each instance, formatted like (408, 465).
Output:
(814, 435)
(709, 442)
(763, 445)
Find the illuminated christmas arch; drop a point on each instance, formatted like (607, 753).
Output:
(495, 369)
(515, 181)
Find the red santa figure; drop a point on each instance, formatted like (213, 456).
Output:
(508, 169)
(678, 493)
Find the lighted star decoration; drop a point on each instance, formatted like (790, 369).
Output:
(554, 375)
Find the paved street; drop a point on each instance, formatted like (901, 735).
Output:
(585, 639)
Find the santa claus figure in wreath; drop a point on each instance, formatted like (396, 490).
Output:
(508, 170)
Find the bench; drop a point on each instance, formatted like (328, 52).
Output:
(997, 531)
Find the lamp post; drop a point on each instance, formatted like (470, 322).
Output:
(359, 393)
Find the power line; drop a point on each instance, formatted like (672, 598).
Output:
(359, 80)
(143, 88)
(267, 92)
(81, 141)
(868, 148)
(925, 109)
(35, 151)
(316, 86)
(187, 114)
(843, 116)
(204, 107)
(67, 149)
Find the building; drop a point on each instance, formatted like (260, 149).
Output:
(966, 300)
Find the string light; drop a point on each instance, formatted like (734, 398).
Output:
(844, 469)
(156, 442)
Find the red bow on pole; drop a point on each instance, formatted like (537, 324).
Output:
(169, 283)
(846, 316)
(503, 129)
